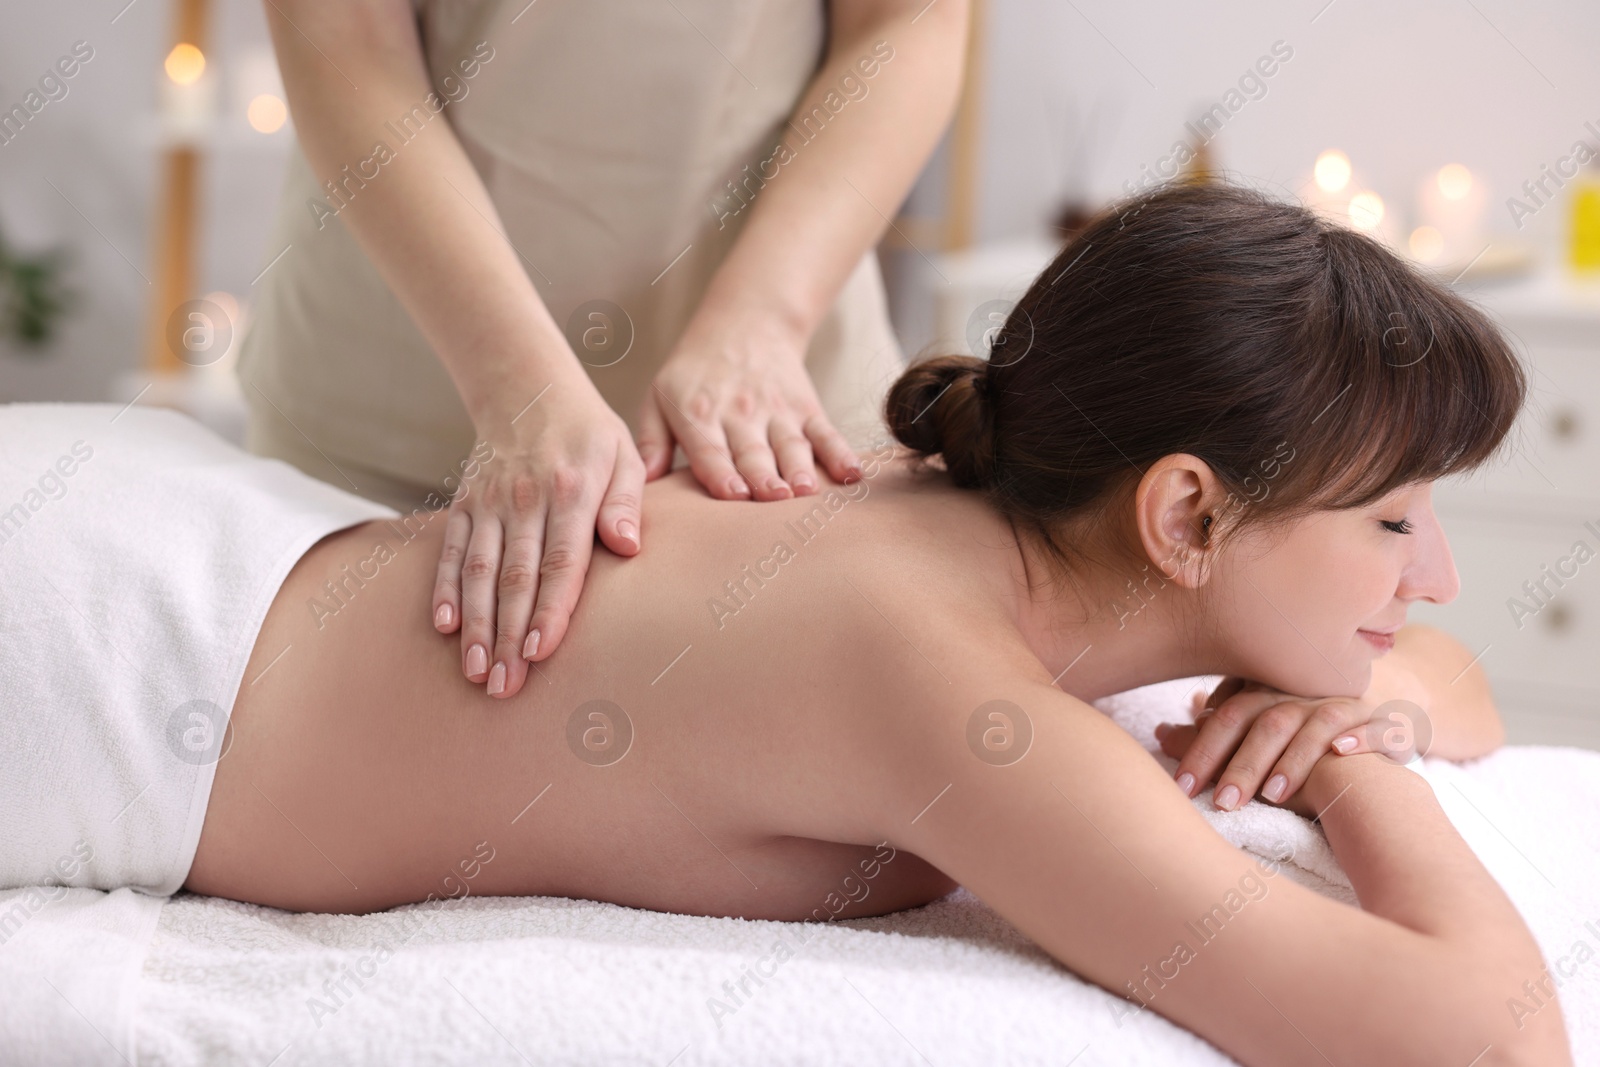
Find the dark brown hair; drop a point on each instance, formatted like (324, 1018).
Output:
(1304, 362)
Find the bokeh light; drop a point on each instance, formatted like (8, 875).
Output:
(1455, 181)
(1427, 244)
(1332, 171)
(267, 113)
(185, 63)
(1366, 210)
(227, 302)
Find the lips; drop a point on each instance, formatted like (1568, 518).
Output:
(1381, 640)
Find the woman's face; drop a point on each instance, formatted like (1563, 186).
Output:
(1308, 608)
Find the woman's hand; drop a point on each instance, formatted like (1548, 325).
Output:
(740, 403)
(1270, 740)
(518, 541)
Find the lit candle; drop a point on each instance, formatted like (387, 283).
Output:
(1328, 190)
(188, 96)
(1451, 203)
(1335, 192)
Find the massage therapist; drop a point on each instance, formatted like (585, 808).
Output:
(569, 235)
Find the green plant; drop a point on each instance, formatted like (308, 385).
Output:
(33, 296)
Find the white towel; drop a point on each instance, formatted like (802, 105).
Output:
(139, 553)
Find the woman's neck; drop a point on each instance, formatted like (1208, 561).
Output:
(1109, 629)
(1106, 633)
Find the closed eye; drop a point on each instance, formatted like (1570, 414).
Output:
(1401, 527)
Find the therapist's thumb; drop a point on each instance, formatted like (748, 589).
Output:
(654, 440)
(619, 518)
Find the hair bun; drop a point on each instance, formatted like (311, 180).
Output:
(941, 405)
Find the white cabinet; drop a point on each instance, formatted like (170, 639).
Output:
(1525, 529)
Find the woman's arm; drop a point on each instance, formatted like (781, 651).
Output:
(1465, 723)
(521, 541)
(736, 382)
(1426, 695)
(1086, 847)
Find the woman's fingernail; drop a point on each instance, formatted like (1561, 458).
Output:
(1346, 744)
(442, 616)
(852, 474)
(628, 531)
(530, 646)
(477, 660)
(803, 481)
(1228, 798)
(1275, 787)
(737, 487)
(497, 680)
(1186, 783)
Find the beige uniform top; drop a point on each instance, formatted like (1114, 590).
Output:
(607, 134)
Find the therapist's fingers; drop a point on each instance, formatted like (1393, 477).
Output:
(621, 519)
(838, 458)
(795, 458)
(447, 579)
(709, 458)
(752, 456)
(515, 589)
(654, 440)
(480, 570)
(568, 548)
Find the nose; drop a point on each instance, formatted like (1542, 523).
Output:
(1431, 575)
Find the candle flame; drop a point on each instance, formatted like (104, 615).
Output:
(1366, 210)
(266, 113)
(1455, 181)
(1426, 243)
(185, 63)
(1332, 171)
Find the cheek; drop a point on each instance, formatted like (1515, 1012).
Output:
(1295, 608)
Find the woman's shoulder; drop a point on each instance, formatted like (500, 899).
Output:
(892, 580)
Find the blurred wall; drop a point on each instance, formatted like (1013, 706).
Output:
(1497, 85)
(85, 171)
(1078, 96)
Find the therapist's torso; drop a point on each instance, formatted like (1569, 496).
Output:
(606, 134)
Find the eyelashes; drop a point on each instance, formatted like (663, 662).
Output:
(1401, 527)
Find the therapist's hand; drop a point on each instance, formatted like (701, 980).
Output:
(518, 542)
(738, 399)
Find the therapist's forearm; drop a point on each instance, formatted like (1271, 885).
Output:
(425, 220)
(811, 223)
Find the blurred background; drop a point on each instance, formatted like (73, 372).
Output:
(1462, 132)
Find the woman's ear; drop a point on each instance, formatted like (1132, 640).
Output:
(1174, 510)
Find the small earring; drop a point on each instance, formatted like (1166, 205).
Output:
(1205, 526)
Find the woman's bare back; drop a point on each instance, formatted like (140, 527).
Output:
(800, 751)
(696, 744)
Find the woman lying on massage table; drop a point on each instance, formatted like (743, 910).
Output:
(1203, 444)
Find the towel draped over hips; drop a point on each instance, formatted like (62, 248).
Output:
(139, 553)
